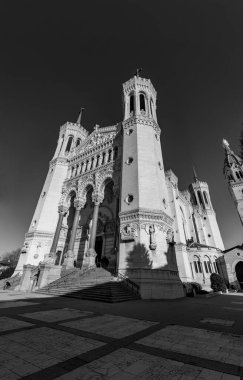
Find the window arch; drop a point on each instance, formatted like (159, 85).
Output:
(142, 102)
(69, 144)
(237, 175)
(197, 264)
(241, 175)
(205, 197)
(78, 142)
(207, 264)
(132, 103)
(200, 198)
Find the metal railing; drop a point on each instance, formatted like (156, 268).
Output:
(129, 283)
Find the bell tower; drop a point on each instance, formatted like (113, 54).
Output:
(145, 223)
(39, 237)
(233, 171)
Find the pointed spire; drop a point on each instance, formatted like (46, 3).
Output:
(80, 115)
(194, 174)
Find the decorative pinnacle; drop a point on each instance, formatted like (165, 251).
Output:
(137, 72)
(80, 115)
(194, 174)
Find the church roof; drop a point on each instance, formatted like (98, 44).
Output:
(231, 249)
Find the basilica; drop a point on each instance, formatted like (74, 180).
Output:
(107, 200)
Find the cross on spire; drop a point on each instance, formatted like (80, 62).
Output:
(80, 115)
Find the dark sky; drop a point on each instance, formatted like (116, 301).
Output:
(58, 55)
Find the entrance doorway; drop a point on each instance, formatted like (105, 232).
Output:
(239, 273)
(98, 249)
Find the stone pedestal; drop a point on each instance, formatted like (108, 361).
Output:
(26, 280)
(89, 259)
(48, 273)
(157, 283)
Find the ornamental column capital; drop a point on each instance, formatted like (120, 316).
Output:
(79, 203)
(97, 198)
(62, 209)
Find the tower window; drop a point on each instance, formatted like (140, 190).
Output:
(237, 175)
(205, 197)
(115, 153)
(78, 142)
(142, 102)
(200, 198)
(131, 103)
(69, 143)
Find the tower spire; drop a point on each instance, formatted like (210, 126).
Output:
(80, 115)
(195, 174)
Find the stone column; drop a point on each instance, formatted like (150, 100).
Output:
(91, 254)
(68, 262)
(62, 210)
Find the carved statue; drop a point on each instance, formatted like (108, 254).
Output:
(152, 241)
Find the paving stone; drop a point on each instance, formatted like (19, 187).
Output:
(188, 340)
(128, 364)
(220, 322)
(57, 314)
(110, 325)
(4, 305)
(7, 323)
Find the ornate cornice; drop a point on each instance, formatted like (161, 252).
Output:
(39, 234)
(129, 123)
(146, 215)
(59, 161)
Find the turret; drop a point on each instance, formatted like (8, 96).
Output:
(233, 171)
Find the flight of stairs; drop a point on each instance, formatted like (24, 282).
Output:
(96, 284)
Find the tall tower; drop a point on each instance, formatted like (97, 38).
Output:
(204, 217)
(233, 171)
(39, 237)
(145, 225)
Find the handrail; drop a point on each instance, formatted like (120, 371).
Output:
(129, 283)
(62, 280)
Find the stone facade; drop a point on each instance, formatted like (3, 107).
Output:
(107, 195)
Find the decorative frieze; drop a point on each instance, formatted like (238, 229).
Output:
(129, 123)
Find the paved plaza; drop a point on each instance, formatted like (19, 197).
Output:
(63, 338)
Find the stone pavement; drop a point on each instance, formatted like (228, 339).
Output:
(64, 338)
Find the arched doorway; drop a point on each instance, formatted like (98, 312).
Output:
(239, 273)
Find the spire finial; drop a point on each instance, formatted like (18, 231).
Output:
(194, 174)
(138, 71)
(80, 115)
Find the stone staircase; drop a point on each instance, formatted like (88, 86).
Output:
(96, 284)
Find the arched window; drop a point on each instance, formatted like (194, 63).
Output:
(77, 167)
(69, 143)
(200, 198)
(237, 175)
(97, 160)
(197, 264)
(103, 158)
(142, 102)
(194, 198)
(241, 175)
(78, 142)
(92, 162)
(207, 265)
(72, 171)
(205, 197)
(109, 155)
(215, 265)
(86, 166)
(131, 103)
